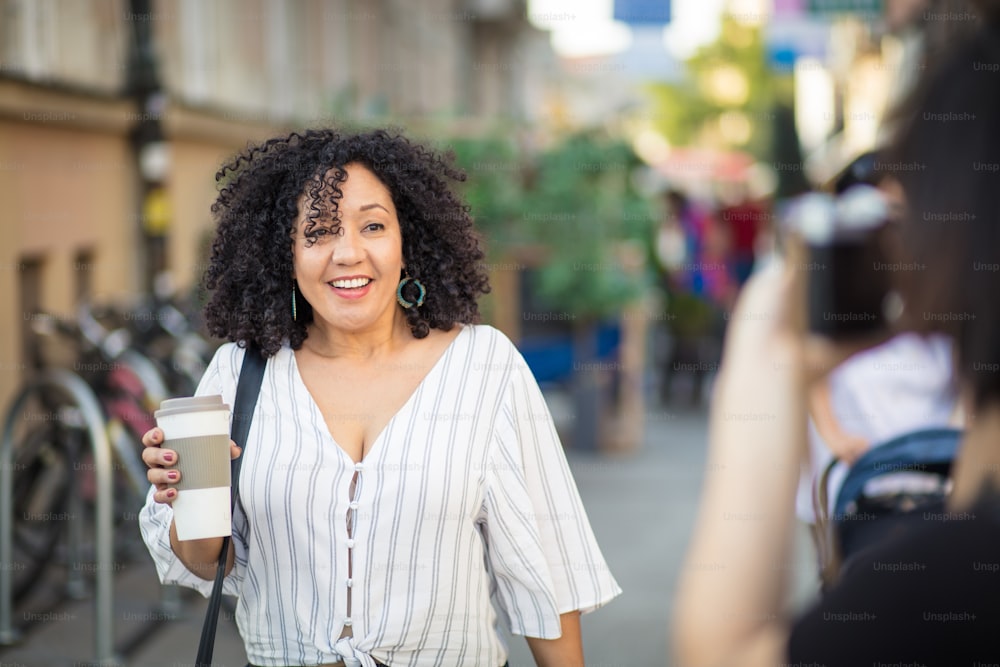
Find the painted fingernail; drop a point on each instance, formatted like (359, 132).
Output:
(171, 493)
(168, 456)
(172, 475)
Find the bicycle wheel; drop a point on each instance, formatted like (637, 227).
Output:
(42, 480)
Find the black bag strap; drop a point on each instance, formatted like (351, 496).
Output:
(247, 389)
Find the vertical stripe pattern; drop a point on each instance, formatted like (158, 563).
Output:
(464, 497)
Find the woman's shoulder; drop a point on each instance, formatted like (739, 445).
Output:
(492, 356)
(228, 358)
(490, 341)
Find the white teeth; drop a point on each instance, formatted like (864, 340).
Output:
(353, 283)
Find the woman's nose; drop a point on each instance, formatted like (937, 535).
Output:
(347, 248)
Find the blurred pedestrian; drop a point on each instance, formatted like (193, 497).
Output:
(701, 271)
(692, 246)
(402, 468)
(744, 221)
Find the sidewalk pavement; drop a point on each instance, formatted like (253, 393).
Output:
(642, 506)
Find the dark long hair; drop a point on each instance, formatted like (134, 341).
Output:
(947, 157)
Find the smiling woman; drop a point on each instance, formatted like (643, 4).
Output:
(291, 188)
(402, 469)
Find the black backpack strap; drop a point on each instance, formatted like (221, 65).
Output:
(251, 377)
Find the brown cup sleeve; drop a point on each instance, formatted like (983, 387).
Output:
(202, 460)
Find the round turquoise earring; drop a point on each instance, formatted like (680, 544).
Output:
(402, 300)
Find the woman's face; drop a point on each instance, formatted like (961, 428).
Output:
(349, 277)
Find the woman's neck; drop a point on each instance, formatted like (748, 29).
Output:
(328, 341)
(978, 461)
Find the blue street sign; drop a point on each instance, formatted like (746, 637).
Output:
(642, 12)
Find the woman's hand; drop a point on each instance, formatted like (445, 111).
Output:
(162, 474)
(199, 556)
(162, 463)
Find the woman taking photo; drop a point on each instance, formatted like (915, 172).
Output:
(931, 595)
(402, 469)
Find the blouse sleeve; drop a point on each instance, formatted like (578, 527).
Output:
(155, 518)
(541, 549)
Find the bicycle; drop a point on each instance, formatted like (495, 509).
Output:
(51, 458)
(163, 330)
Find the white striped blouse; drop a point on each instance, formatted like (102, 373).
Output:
(463, 508)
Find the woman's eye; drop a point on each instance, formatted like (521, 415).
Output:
(320, 232)
(374, 226)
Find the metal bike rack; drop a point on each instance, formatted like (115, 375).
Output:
(82, 396)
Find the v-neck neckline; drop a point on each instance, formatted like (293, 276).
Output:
(318, 414)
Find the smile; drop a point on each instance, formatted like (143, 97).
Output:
(351, 283)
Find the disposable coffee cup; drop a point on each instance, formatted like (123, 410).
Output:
(198, 430)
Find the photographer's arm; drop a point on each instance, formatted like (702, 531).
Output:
(730, 604)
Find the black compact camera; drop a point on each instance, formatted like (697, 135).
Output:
(850, 285)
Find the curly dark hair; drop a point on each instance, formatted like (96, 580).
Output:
(249, 272)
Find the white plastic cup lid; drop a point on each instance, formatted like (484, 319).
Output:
(177, 406)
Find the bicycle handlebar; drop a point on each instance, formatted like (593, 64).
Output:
(85, 329)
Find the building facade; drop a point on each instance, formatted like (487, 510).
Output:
(82, 191)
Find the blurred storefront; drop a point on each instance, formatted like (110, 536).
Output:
(853, 62)
(82, 214)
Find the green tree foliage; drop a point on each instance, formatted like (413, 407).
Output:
(495, 187)
(575, 203)
(728, 88)
(583, 208)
